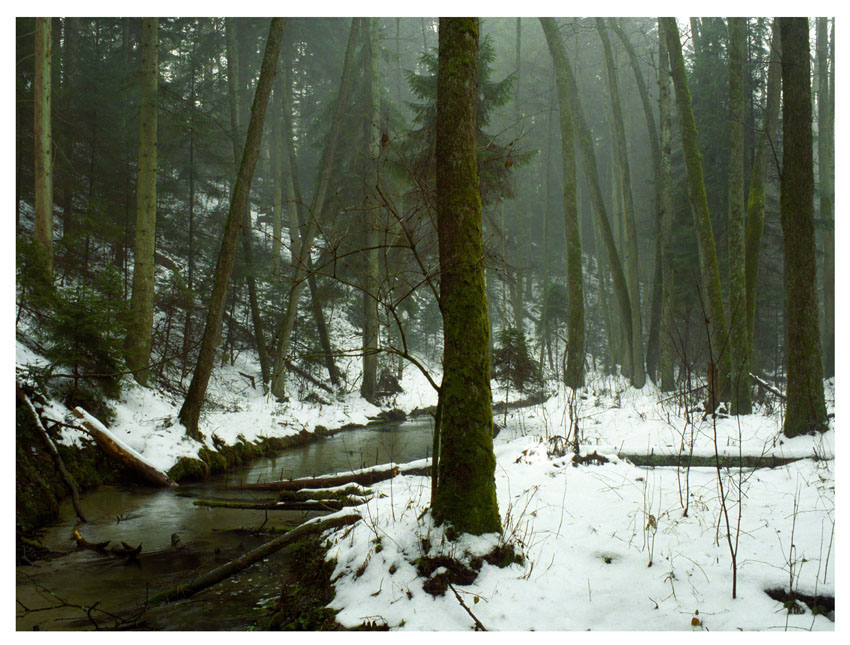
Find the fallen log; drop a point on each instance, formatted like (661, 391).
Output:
(709, 461)
(54, 453)
(767, 386)
(120, 452)
(366, 478)
(234, 566)
(317, 505)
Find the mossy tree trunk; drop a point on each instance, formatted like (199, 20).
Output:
(805, 409)
(667, 352)
(575, 323)
(466, 491)
(755, 198)
(710, 273)
(42, 99)
(277, 171)
(638, 375)
(369, 384)
(314, 216)
(140, 323)
(191, 410)
(738, 333)
(588, 158)
(826, 163)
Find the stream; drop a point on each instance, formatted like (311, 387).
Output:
(205, 539)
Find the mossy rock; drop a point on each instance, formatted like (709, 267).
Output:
(189, 469)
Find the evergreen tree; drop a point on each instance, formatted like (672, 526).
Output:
(138, 342)
(42, 98)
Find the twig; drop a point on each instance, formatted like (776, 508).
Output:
(478, 626)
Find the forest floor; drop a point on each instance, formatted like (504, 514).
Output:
(609, 546)
(605, 545)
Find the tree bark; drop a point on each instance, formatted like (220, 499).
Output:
(710, 274)
(140, 325)
(466, 491)
(575, 324)
(314, 216)
(368, 386)
(826, 182)
(43, 144)
(191, 410)
(805, 411)
(668, 383)
(738, 333)
(638, 375)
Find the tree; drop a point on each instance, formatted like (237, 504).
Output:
(140, 323)
(43, 147)
(466, 490)
(668, 383)
(656, 304)
(638, 375)
(315, 217)
(588, 157)
(191, 410)
(826, 162)
(237, 92)
(710, 274)
(738, 333)
(370, 276)
(756, 196)
(805, 409)
(575, 325)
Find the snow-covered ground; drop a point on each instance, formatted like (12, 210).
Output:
(146, 418)
(588, 533)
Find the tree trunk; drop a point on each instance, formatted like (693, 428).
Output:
(755, 199)
(575, 326)
(43, 144)
(314, 215)
(805, 410)
(826, 191)
(466, 492)
(739, 349)
(191, 410)
(368, 386)
(237, 94)
(656, 305)
(297, 218)
(277, 170)
(710, 274)
(140, 325)
(588, 157)
(668, 383)
(638, 375)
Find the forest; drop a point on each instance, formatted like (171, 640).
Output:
(457, 324)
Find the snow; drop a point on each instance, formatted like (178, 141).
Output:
(584, 532)
(587, 537)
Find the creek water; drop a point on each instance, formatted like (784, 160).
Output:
(205, 538)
